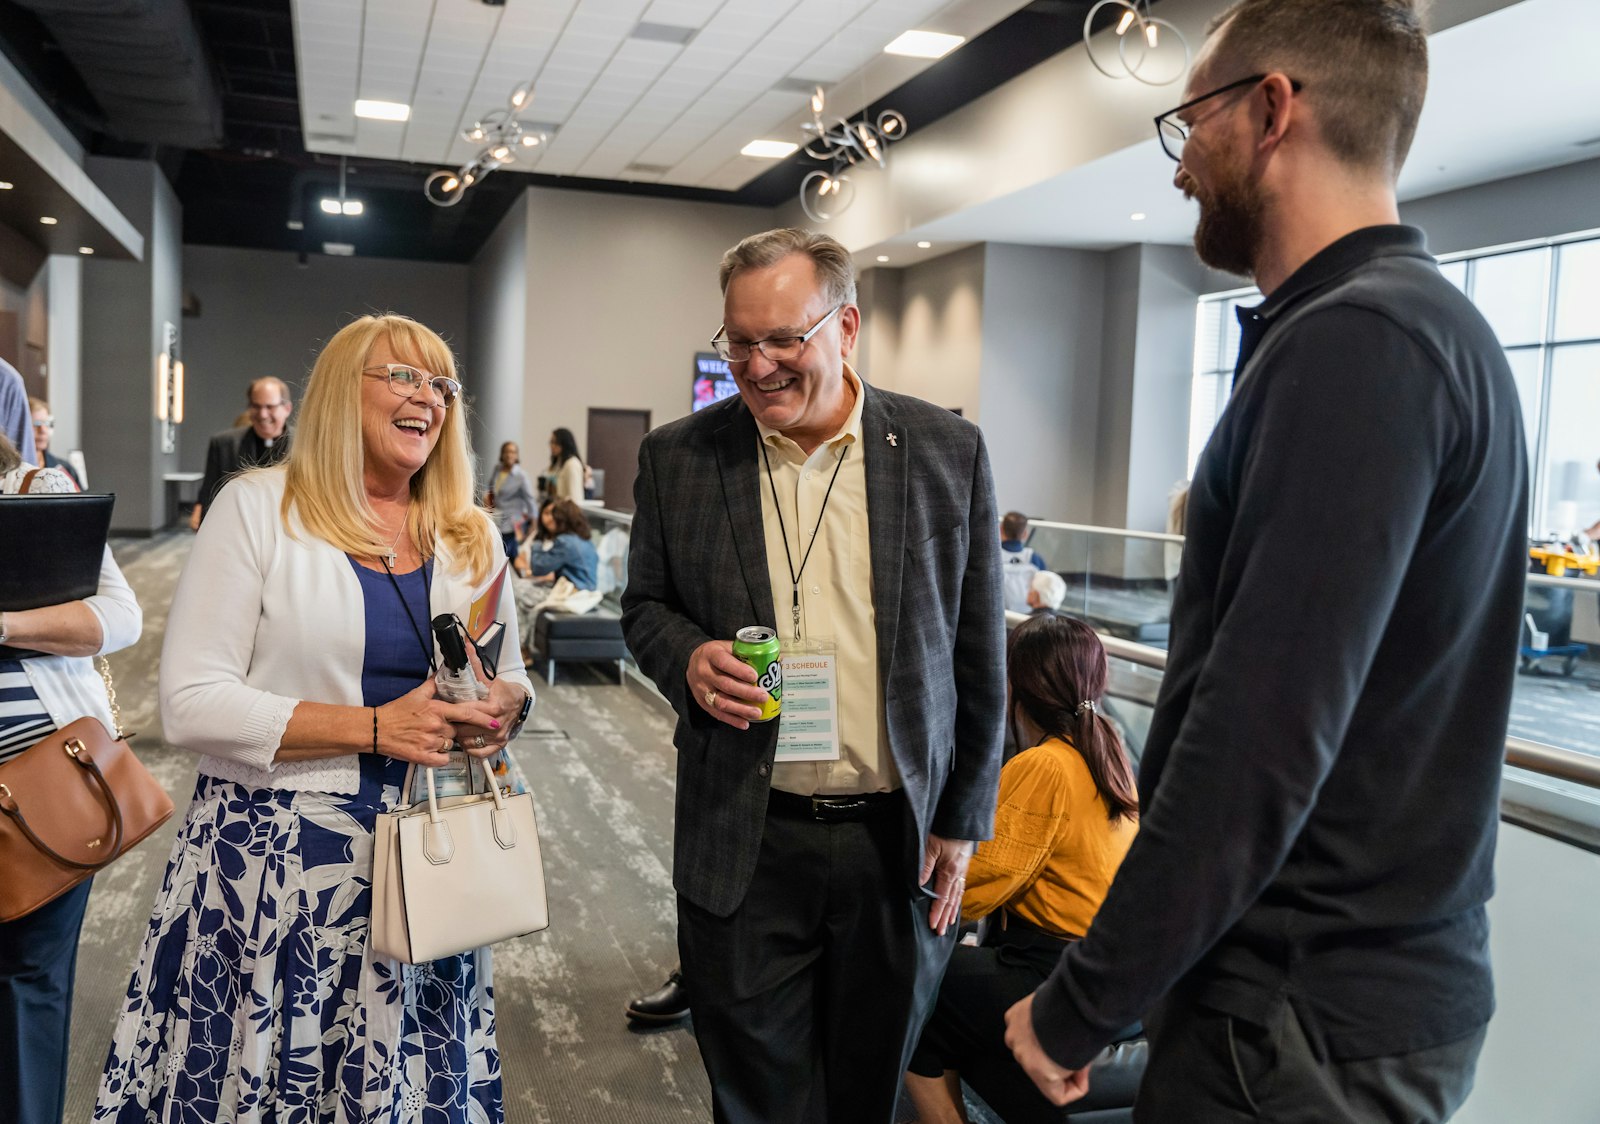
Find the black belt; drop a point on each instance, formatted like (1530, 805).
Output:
(835, 809)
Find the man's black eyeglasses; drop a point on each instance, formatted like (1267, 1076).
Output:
(1174, 133)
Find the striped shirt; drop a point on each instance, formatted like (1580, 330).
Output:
(23, 718)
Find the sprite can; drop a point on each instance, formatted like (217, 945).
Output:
(758, 646)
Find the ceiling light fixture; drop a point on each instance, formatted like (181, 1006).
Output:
(842, 144)
(47, 220)
(924, 245)
(341, 205)
(501, 136)
(85, 249)
(373, 110)
(1144, 60)
(924, 44)
(768, 149)
(1137, 216)
(4, 186)
(883, 257)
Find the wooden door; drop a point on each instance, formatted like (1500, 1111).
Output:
(613, 446)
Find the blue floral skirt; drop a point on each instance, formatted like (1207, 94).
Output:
(256, 999)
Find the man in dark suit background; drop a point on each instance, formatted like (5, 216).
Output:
(264, 441)
(817, 898)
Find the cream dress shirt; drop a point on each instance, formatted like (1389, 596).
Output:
(835, 595)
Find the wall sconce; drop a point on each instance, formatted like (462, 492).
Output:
(169, 391)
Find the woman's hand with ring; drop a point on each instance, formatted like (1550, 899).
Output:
(480, 738)
(419, 726)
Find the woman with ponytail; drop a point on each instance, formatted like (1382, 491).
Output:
(1068, 813)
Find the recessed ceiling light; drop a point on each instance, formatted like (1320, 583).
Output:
(295, 224)
(4, 186)
(883, 257)
(924, 245)
(85, 249)
(47, 220)
(924, 44)
(330, 206)
(1137, 216)
(353, 207)
(382, 110)
(768, 149)
(338, 249)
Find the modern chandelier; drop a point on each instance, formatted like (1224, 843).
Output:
(1139, 55)
(842, 144)
(502, 136)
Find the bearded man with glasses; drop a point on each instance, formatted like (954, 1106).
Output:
(819, 857)
(1301, 920)
(264, 441)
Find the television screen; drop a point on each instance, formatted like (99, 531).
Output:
(712, 380)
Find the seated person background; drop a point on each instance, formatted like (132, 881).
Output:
(1068, 813)
(1046, 593)
(560, 549)
(1018, 561)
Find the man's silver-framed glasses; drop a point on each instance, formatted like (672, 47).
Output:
(405, 380)
(779, 349)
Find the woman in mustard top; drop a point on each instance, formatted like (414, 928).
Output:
(1068, 813)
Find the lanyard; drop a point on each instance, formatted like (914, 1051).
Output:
(794, 575)
(427, 582)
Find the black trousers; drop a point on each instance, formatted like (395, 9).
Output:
(1210, 1068)
(810, 996)
(38, 957)
(967, 1030)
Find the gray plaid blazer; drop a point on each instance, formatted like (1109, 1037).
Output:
(697, 570)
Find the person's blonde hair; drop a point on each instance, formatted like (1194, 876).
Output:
(325, 488)
(836, 271)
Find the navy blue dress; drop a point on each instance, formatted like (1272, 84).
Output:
(256, 999)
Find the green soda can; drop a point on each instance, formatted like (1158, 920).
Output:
(758, 646)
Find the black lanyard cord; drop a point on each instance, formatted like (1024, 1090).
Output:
(427, 648)
(794, 575)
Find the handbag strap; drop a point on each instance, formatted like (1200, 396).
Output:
(27, 479)
(79, 753)
(103, 665)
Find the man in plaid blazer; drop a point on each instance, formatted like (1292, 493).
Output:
(816, 898)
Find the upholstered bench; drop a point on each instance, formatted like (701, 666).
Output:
(583, 636)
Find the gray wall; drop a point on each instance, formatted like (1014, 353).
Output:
(941, 333)
(497, 316)
(622, 291)
(262, 313)
(1040, 385)
(1538, 205)
(128, 303)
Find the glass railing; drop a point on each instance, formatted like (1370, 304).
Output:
(1121, 583)
(609, 531)
(1118, 581)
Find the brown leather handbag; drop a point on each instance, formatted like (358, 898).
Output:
(70, 804)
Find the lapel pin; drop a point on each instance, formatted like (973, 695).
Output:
(893, 442)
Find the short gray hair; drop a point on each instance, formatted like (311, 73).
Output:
(835, 269)
(283, 388)
(1052, 590)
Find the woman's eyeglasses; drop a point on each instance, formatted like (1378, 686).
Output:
(406, 381)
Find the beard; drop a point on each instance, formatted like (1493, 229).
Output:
(1228, 235)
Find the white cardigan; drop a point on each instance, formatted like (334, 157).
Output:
(262, 619)
(69, 687)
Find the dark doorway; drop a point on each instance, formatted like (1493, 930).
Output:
(614, 438)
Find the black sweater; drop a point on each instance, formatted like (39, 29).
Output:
(1320, 785)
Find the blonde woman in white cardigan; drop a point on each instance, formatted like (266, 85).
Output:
(297, 665)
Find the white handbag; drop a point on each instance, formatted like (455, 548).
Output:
(458, 873)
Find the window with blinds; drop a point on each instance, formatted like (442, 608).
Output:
(1543, 301)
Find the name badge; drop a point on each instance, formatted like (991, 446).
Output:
(808, 725)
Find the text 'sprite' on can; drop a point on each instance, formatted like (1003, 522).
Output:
(759, 647)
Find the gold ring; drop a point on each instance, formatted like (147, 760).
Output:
(711, 700)
(446, 747)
